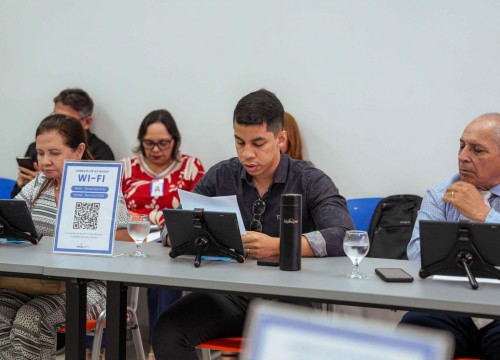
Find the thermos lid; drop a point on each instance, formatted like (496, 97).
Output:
(291, 199)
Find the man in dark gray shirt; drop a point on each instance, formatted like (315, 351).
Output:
(258, 177)
(324, 215)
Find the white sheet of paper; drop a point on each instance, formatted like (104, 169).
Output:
(190, 201)
(153, 236)
(463, 278)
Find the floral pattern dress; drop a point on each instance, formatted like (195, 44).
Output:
(147, 192)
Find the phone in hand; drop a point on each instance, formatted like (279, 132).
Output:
(393, 275)
(25, 162)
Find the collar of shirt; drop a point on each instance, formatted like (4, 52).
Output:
(174, 166)
(495, 190)
(280, 177)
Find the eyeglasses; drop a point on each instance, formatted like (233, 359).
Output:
(162, 144)
(259, 206)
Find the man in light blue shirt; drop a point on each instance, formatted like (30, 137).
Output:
(474, 195)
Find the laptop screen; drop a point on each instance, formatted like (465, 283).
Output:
(281, 331)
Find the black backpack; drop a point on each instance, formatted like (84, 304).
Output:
(391, 226)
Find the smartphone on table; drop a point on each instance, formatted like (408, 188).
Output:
(25, 162)
(393, 275)
(267, 263)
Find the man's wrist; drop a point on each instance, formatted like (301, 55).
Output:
(484, 214)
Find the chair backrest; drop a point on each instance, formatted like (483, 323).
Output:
(361, 210)
(6, 186)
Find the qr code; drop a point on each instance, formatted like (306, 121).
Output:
(86, 215)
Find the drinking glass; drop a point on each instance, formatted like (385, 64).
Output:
(138, 228)
(356, 246)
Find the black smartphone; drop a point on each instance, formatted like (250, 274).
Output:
(393, 275)
(267, 263)
(25, 162)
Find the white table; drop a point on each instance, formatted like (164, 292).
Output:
(321, 280)
(28, 260)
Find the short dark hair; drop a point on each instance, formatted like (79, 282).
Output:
(164, 117)
(70, 129)
(78, 99)
(260, 107)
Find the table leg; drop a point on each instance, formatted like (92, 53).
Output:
(116, 320)
(76, 304)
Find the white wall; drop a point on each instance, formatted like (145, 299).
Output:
(381, 89)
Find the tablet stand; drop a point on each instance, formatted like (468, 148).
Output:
(463, 255)
(202, 242)
(8, 231)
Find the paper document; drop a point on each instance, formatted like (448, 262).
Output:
(153, 236)
(463, 278)
(191, 201)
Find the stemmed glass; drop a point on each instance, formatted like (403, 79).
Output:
(138, 228)
(356, 246)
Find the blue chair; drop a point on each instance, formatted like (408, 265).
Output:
(6, 186)
(361, 210)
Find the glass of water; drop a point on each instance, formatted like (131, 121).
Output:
(138, 228)
(356, 246)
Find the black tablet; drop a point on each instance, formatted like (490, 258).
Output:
(16, 221)
(195, 232)
(443, 245)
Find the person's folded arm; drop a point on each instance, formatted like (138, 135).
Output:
(329, 216)
(432, 208)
